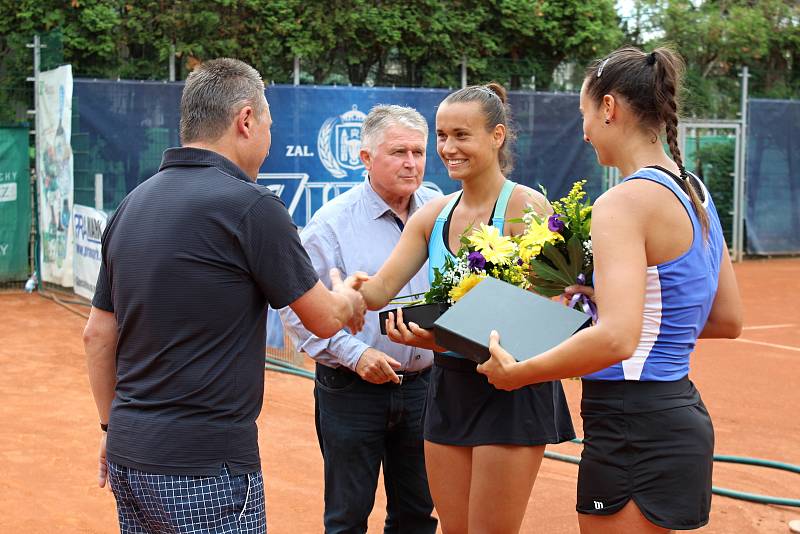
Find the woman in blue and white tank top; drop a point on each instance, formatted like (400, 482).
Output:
(662, 278)
(480, 442)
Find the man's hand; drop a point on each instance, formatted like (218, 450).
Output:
(501, 367)
(377, 367)
(349, 289)
(411, 334)
(102, 472)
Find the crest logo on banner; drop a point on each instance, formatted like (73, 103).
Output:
(339, 142)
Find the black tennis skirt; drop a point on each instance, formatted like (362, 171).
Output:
(464, 409)
(652, 442)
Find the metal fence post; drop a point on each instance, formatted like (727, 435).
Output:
(98, 191)
(740, 186)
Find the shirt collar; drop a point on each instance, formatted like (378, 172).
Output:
(377, 207)
(198, 157)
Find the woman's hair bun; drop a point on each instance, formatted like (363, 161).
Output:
(499, 90)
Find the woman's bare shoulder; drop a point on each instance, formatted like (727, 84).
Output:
(524, 198)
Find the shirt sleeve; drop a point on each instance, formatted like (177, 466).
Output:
(346, 348)
(102, 289)
(277, 260)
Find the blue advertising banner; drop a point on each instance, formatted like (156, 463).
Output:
(773, 177)
(316, 137)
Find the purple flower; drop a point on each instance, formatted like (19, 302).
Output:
(519, 261)
(476, 261)
(554, 223)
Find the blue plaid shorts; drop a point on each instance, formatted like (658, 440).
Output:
(148, 503)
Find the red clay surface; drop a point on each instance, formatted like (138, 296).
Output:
(49, 425)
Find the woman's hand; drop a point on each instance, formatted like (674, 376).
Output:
(410, 334)
(571, 291)
(501, 368)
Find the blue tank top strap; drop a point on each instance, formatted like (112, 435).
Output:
(445, 213)
(499, 215)
(437, 248)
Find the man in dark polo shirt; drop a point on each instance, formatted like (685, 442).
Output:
(175, 339)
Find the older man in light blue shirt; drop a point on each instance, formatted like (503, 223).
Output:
(370, 392)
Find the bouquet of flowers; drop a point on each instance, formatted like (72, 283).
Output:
(557, 250)
(483, 252)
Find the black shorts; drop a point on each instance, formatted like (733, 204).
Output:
(464, 409)
(652, 442)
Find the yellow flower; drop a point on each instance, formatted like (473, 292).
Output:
(467, 283)
(534, 238)
(496, 248)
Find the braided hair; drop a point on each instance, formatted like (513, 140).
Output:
(650, 84)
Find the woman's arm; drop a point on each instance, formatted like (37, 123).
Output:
(725, 318)
(406, 259)
(620, 270)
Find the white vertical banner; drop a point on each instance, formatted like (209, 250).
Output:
(88, 225)
(55, 182)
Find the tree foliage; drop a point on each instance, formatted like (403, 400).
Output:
(718, 37)
(521, 43)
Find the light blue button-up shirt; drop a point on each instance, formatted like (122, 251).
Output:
(357, 231)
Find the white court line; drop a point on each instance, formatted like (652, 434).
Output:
(768, 326)
(765, 344)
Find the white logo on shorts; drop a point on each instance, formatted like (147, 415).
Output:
(598, 505)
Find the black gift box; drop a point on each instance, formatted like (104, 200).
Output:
(423, 315)
(528, 324)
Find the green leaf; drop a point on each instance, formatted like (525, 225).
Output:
(546, 291)
(543, 270)
(568, 270)
(575, 251)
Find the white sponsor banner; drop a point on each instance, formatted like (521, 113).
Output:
(54, 159)
(88, 225)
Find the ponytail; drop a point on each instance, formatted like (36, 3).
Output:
(667, 73)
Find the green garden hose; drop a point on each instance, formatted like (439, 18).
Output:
(280, 366)
(741, 495)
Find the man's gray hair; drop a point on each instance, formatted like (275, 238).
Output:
(214, 93)
(383, 116)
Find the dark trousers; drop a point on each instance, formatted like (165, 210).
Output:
(360, 427)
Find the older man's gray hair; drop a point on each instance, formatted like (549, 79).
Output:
(384, 116)
(214, 93)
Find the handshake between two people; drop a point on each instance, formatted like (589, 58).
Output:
(349, 288)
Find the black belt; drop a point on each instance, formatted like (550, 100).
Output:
(404, 376)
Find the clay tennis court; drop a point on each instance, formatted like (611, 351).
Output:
(49, 435)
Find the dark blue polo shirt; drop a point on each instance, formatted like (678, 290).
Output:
(191, 259)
